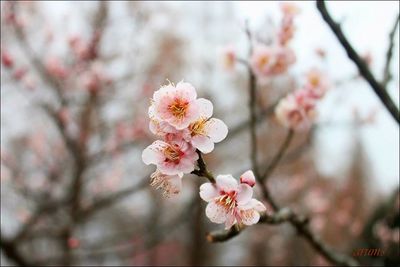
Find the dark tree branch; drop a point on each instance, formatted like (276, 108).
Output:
(387, 76)
(252, 108)
(10, 251)
(379, 90)
(299, 222)
(278, 217)
(203, 171)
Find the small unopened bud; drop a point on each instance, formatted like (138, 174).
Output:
(73, 242)
(248, 178)
(7, 59)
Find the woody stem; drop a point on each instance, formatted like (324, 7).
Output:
(203, 171)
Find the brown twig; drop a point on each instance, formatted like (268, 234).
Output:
(387, 76)
(252, 108)
(379, 90)
(277, 158)
(299, 222)
(203, 171)
(279, 217)
(104, 202)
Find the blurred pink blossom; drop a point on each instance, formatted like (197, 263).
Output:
(296, 111)
(6, 59)
(229, 57)
(271, 60)
(55, 68)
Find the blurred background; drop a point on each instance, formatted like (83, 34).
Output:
(76, 83)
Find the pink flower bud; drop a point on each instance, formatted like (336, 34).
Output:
(73, 242)
(248, 178)
(229, 58)
(6, 59)
(55, 68)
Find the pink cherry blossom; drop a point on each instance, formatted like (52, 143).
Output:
(284, 58)
(296, 111)
(176, 105)
(248, 178)
(271, 60)
(230, 202)
(206, 131)
(175, 157)
(262, 60)
(160, 128)
(202, 133)
(170, 184)
(317, 84)
(56, 68)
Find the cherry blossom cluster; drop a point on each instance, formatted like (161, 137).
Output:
(184, 123)
(274, 59)
(186, 127)
(232, 203)
(297, 110)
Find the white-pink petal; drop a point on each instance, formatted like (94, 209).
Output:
(208, 192)
(216, 130)
(216, 213)
(205, 107)
(152, 153)
(249, 217)
(186, 90)
(254, 204)
(230, 220)
(226, 183)
(163, 91)
(244, 195)
(202, 143)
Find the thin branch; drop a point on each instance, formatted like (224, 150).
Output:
(299, 222)
(260, 116)
(252, 108)
(360, 63)
(279, 217)
(387, 76)
(203, 171)
(277, 158)
(104, 202)
(38, 214)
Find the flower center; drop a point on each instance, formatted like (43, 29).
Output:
(172, 154)
(263, 61)
(228, 201)
(198, 127)
(178, 108)
(314, 80)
